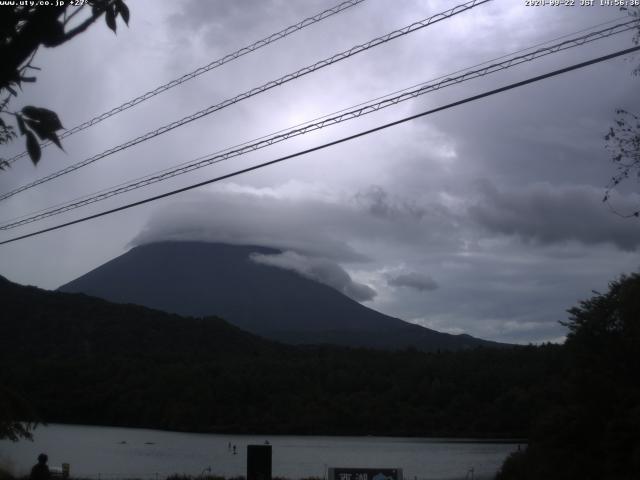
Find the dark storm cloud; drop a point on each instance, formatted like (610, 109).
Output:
(415, 280)
(326, 227)
(222, 23)
(552, 131)
(380, 203)
(547, 214)
(220, 19)
(320, 270)
(308, 227)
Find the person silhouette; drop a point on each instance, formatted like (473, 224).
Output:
(40, 470)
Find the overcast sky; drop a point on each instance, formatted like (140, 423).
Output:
(485, 218)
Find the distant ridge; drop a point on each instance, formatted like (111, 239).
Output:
(201, 279)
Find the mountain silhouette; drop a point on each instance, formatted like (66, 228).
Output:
(203, 279)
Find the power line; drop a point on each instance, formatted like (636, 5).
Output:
(332, 143)
(486, 62)
(255, 91)
(199, 71)
(339, 117)
(262, 142)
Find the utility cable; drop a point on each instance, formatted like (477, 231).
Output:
(330, 144)
(255, 91)
(199, 71)
(342, 116)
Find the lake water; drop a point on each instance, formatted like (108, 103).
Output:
(106, 452)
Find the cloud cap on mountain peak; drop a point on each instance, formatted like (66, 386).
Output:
(321, 270)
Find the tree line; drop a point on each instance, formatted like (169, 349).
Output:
(84, 360)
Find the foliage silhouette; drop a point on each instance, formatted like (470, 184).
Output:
(623, 141)
(23, 29)
(591, 426)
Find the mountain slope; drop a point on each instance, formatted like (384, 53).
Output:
(200, 279)
(43, 323)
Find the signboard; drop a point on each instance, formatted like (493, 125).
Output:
(258, 462)
(339, 473)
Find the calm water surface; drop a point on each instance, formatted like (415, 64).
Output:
(107, 452)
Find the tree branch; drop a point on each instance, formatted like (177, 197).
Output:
(82, 27)
(75, 12)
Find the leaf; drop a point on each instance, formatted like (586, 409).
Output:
(11, 90)
(44, 133)
(48, 118)
(21, 127)
(30, 111)
(33, 148)
(40, 130)
(110, 18)
(124, 11)
(53, 136)
(36, 127)
(28, 79)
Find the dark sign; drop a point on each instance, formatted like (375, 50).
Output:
(365, 474)
(258, 462)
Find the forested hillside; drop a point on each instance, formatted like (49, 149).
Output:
(84, 360)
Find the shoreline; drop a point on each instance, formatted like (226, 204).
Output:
(105, 453)
(427, 438)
